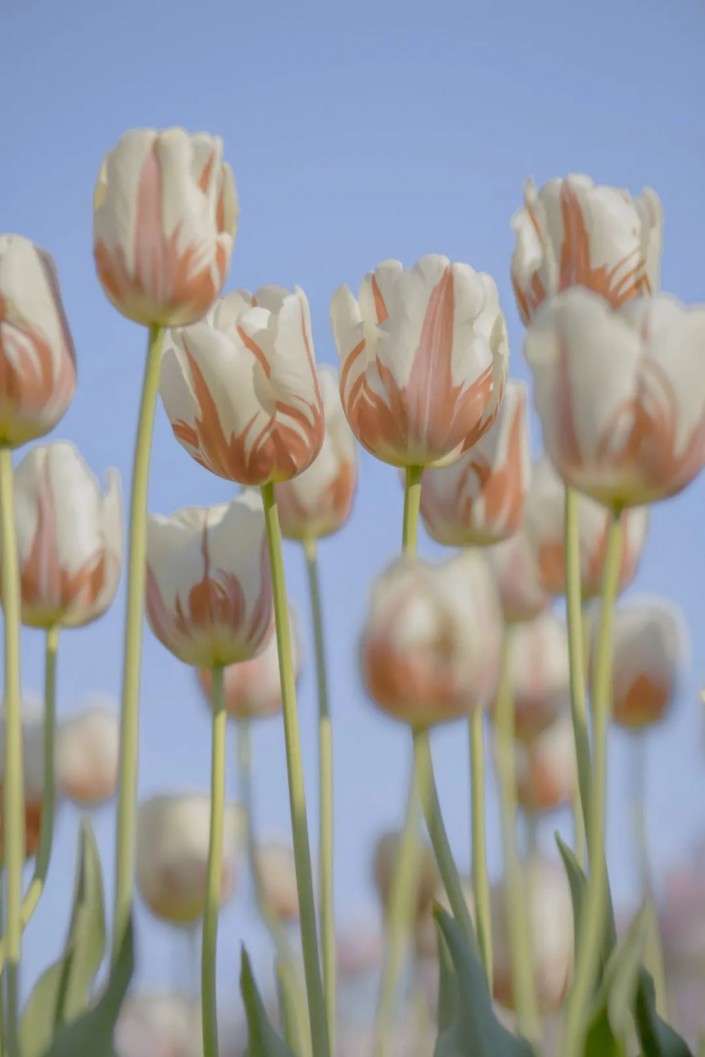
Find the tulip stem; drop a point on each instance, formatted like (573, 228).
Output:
(480, 876)
(592, 925)
(516, 903)
(297, 795)
(412, 505)
(13, 782)
(134, 615)
(325, 773)
(215, 867)
(576, 656)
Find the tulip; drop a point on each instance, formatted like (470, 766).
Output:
(33, 755)
(318, 501)
(87, 750)
(621, 394)
(240, 387)
(479, 500)
(69, 537)
(277, 875)
(430, 649)
(545, 520)
(208, 584)
(157, 1025)
(572, 233)
(164, 220)
(423, 355)
(546, 767)
(384, 864)
(515, 567)
(37, 358)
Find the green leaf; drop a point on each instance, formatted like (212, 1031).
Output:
(292, 1012)
(475, 1029)
(578, 890)
(657, 1038)
(448, 998)
(612, 1017)
(262, 1039)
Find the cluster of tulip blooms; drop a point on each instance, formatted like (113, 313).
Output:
(619, 387)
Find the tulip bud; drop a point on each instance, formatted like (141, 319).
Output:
(430, 649)
(209, 596)
(572, 233)
(87, 754)
(37, 358)
(240, 387)
(546, 768)
(620, 394)
(158, 1025)
(164, 219)
(479, 500)
(384, 867)
(277, 874)
(172, 855)
(33, 753)
(514, 565)
(69, 537)
(423, 354)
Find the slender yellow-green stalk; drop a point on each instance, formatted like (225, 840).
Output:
(480, 877)
(325, 780)
(13, 781)
(215, 867)
(591, 932)
(576, 655)
(297, 796)
(412, 505)
(136, 576)
(518, 927)
(578, 827)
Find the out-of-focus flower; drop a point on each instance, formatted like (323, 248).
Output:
(547, 895)
(572, 233)
(33, 751)
(359, 948)
(426, 934)
(515, 567)
(209, 597)
(318, 501)
(620, 394)
(241, 390)
(430, 648)
(479, 500)
(37, 358)
(277, 875)
(545, 522)
(158, 1025)
(682, 929)
(424, 355)
(69, 537)
(172, 855)
(384, 865)
(546, 768)
(87, 754)
(164, 219)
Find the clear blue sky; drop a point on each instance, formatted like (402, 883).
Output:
(356, 132)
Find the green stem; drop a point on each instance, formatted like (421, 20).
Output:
(518, 927)
(13, 784)
(325, 772)
(136, 577)
(412, 505)
(531, 821)
(480, 876)
(578, 827)
(297, 796)
(591, 932)
(576, 655)
(653, 955)
(215, 867)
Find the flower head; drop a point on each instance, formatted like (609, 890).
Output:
(87, 753)
(515, 567)
(546, 767)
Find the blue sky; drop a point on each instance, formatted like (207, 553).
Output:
(356, 132)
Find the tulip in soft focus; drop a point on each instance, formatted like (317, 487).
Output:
(37, 358)
(69, 537)
(682, 928)
(423, 355)
(33, 751)
(384, 865)
(514, 565)
(172, 855)
(430, 648)
(359, 949)
(241, 390)
(572, 233)
(277, 874)
(318, 501)
(479, 500)
(620, 394)
(546, 768)
(87, 754)
(550, 912)
(158, 1025)
(164, 219)
(209, 597)
(545, 526)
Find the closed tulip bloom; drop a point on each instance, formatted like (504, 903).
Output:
(423, 355)
(546, 768)
(621, 394)
(209, 594)
(430, 649)
(241, 390)
(514, 565)
(172, 855)
(479, 500)
(164, 219)
(318, 501)
(545, 520)
(37, 358)
(384, 863)
(277, 874)
(69, 537)
(572, 233)
(33, 752)
(87, 753)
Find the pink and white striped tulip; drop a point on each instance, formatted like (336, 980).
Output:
(514, 565)
(87, 754)
(547, 768)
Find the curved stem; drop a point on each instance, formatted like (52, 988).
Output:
(13, 781)
(480, 877)
(297, 796)
(576, 654)
(325, 773)
(215, 867)
(136, 576)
